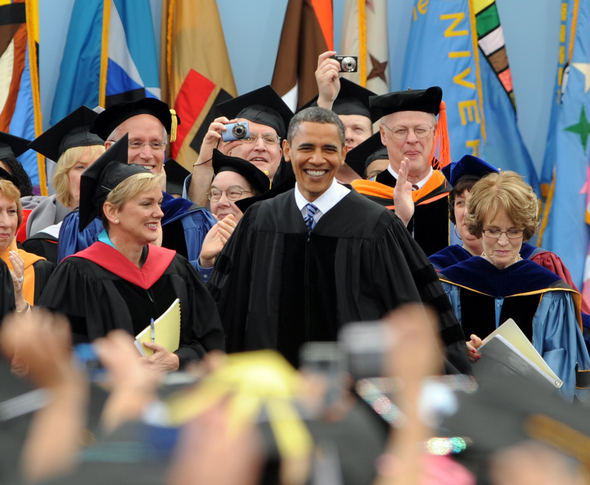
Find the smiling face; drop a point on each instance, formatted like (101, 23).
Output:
(265, 157)
(417, 150)
(315, 153)
(8, 222)
(139, 218)
(224, 207)
(501, 252)
(144, 129)
(357, 129)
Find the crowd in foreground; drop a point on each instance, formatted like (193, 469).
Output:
(278, 245)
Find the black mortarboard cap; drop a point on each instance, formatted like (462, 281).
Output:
(468, 168)
(257, 179)
(426, 100)
(98, 180)
(262, 106)
(116, 114)
(72, 131)
(175, 176)
(12, 146)
(357, 157)
(5, 175)
(351, 100)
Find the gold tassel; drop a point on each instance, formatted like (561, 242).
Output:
(173, 125)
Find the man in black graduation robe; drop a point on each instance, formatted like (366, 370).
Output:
(278, 285)
(410, 132)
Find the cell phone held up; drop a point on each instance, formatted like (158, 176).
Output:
(347, 63)
(236, 131)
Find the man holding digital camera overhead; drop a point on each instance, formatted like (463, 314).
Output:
(267, 118)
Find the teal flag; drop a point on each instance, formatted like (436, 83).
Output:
(565, 224)
(471, 66)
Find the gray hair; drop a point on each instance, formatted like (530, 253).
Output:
(315, 114)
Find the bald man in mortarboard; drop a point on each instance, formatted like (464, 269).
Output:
(149, 124)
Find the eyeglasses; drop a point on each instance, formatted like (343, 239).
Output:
(497, 234)
(233, 192)
(154, 145)
(401, 132)
(267, 139)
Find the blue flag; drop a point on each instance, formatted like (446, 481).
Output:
(565, 51)
(459, 46)
(79, 74)
(564, 227)
(107, 62)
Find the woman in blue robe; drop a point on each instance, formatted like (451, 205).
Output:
(486, 290)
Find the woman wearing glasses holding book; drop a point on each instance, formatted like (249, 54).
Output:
(487, 290)
(124, 280)
(235, 179)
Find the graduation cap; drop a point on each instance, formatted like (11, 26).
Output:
(257, 179)
(98, 180)
(72, 131)
(262, 106)
(468, 168)
(116, 114)
(12, 146)
(352, 99)
(426, 100)
(175, 176)
(371, 149)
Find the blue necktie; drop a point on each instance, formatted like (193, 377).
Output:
(309, 220)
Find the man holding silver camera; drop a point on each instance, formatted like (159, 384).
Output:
(266, 116)
(304, 263)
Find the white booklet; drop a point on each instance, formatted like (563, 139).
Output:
(507, 349)
(166, 331)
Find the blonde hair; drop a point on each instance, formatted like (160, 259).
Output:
(9, 190)
(69, 158)
(507, 191)
(129, 188)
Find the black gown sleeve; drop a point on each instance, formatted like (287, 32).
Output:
(7, 301)
(229, 283)
(429, 288)
(43, 270)
(201, 329)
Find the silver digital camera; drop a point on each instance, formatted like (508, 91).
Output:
(347, 63)
(236, 131)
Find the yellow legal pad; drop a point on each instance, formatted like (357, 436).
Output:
(167, 330)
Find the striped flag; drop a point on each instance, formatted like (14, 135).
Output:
(109, 57)
(196, 72)
(364, 34)
(464, 45)
(20, 107)
(307, 32)
(565, 223)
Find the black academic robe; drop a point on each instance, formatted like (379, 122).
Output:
(276, 287)
(98, 300)
(7, 302)
(430, 223)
